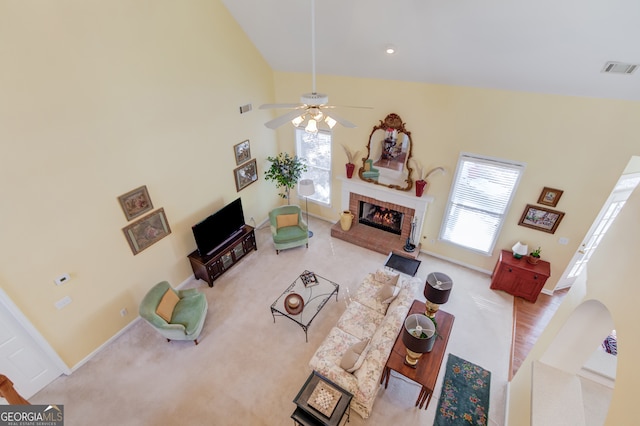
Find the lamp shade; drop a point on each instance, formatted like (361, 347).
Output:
(520, 249)
(306, 187)
(438, 288)
(417, 333)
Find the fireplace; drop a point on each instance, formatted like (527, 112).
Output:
(373, 203)
(380, 217)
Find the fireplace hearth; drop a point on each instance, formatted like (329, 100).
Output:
(407, 207)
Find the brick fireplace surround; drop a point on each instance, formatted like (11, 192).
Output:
(355, 190)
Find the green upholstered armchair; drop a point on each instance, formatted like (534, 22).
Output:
(370, 172)
(288, 228)
(186, 310)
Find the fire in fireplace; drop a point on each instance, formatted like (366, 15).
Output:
(380, 217)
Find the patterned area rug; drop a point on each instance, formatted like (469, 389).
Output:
(464, 398)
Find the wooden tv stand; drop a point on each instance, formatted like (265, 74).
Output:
(209, 268)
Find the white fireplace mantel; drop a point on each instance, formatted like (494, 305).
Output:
(383, 193)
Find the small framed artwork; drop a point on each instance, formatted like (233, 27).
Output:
(147, 231)
(136, 202)
(242, 151)
(246, 174)
(541, 218)
(550, 196)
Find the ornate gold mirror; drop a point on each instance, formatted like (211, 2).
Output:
(388, 153)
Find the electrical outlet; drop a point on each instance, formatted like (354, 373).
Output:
(62, 279)
(123, 312)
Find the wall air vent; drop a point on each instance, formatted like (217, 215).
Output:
(619, 68)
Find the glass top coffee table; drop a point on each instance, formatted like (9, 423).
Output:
(304, 298)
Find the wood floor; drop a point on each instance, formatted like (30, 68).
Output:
(529, 320)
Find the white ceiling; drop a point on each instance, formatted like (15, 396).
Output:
(543, 46)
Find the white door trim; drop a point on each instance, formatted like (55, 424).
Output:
(35, 335)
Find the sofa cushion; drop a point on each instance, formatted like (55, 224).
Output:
(359, 321)
(167, 304)
(354, 357)
(284, 220)
(367, 294)
(386, 277)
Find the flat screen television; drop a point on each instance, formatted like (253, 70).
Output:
(217, 229)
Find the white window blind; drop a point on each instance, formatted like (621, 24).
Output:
(316, 152)
(480, 197)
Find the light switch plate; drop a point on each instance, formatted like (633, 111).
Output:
(63, 302)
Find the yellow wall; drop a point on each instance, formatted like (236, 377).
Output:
(578, 145)
(99, 98)
(612, 280)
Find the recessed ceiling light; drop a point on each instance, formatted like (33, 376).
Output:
(390, 50)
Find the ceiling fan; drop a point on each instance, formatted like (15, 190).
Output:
(312, 112)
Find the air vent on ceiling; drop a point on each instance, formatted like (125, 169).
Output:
(619, 68)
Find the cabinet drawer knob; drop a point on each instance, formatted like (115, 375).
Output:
(535, 277)
(510, 270)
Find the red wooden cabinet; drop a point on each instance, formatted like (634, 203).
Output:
(518, 277)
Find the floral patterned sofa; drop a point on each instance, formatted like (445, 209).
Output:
(366, 317)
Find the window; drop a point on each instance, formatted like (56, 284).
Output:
(480, 197)
(315, 150)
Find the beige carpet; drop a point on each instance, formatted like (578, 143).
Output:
(247, 369)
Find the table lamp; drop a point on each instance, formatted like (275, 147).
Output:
(418, 336)
(520, 250)
(436, 291)
(306, 189)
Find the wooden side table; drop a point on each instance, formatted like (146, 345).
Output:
(306, 415)
(518, 277)
(428, 367)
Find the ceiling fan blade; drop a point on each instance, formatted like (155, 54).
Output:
(341, 120)
(274, 106)
(279, 121)
(346, 106)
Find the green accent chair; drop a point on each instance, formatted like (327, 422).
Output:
(290, 230)
(370, 172)
(188, 314)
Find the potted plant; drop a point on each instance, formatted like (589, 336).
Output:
(285, 171)
(534, 256)
(350, 157)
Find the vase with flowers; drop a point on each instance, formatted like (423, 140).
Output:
(350, 158)
(421, 182)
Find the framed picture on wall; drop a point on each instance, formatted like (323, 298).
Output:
(135, 202)
(550, 196)
(246, 174)
(147, 231)
(541, 218)
(242, 152)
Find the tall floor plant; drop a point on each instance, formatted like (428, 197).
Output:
(285, 171)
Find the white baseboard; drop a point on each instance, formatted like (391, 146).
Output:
(457, 262)
(118, 334)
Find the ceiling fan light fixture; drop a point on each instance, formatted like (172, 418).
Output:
(297, 121)
(330, 121)
(312, 126)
